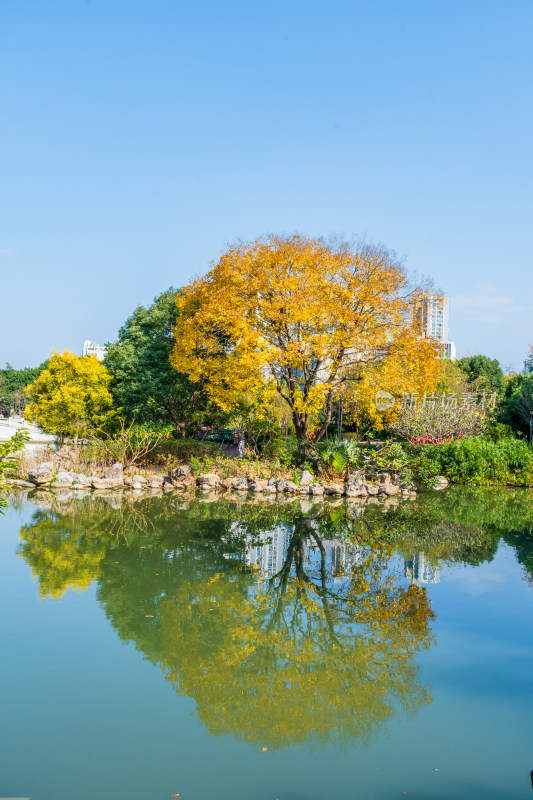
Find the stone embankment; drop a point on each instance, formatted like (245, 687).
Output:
(383, 484)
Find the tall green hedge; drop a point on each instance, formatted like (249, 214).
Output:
(476, 461)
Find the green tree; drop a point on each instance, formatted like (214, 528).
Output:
(13, 382)
(71, 395)
(518, 402)
(528, 363)
(145, 384)
(8, 458)
(485, 373)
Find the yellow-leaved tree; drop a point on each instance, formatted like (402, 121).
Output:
(71, 395)
(412, 366)
(301, 317)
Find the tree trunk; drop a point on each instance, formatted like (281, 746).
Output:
(301, 424)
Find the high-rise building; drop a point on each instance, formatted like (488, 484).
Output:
(418, 569)
(270, 550)
(94, 349)
(433, 317)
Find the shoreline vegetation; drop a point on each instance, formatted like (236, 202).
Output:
(347, 469)
(61, 470)
(310, 355)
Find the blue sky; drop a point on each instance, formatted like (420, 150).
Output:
(139, 139)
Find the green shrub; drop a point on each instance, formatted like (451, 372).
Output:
(338, 456)
(498, 431)
(394, 457)
(8, 458)
(475, 461)
(175, 451)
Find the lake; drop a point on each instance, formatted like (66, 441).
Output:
(156, 646)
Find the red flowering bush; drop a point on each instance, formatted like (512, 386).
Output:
(437, 424)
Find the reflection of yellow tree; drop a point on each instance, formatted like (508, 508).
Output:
(297, 661)
(311, 655)
(65, 549)
(61, 554)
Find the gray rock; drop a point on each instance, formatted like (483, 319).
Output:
(291, 488)
(334, 488)
(390, 489)
(352, 490)
(106, 483)
(207, 481)
(184, 483)
(259, 485)
(64, 479)
(138, 479)
(371, 490)
(155, 481)
(115, 473)
(42, 473)
(306, 478)
(181, 471)
(316, 488)
(17, 482)
(240, 484)
(83, 481)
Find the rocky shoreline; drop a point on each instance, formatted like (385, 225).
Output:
(47, 476)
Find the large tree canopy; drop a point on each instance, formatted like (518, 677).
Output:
(145, 384)
(484, 372)
(71, 395)
(300, 317)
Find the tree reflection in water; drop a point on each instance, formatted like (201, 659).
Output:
(315, 653)
(295, 660)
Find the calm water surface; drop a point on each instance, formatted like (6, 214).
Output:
(157, 646)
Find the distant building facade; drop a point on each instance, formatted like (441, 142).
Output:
(418, 569)
(270, 550)
(433, 317)
(94, 349)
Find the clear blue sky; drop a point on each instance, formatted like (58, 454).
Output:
(139, 138)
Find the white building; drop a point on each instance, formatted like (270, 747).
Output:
(420, 570)
(271, 550)
(434, 319)
(449, 351)
(94, 349)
